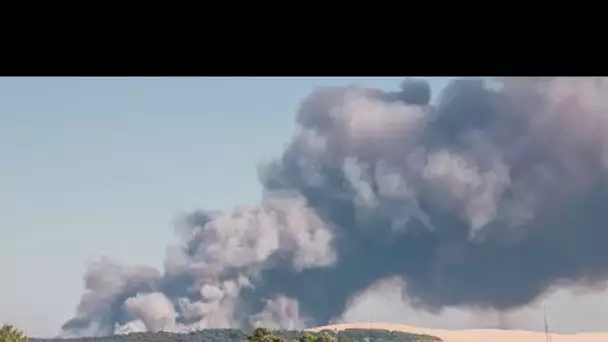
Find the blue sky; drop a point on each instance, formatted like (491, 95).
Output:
(101, 166)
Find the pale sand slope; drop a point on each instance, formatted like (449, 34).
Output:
(474, 335)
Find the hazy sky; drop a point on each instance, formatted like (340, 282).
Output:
(101, 166)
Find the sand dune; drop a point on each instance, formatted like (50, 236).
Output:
(474, 335)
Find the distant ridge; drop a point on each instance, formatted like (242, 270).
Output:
(475, 335)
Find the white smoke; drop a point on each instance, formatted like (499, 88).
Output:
(229, 250)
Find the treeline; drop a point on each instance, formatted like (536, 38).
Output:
(259, 335)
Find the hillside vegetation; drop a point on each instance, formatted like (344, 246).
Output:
(9, 333)
(260, 335)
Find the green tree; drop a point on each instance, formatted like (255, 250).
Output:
(325, 337)
(322, 337)
(261, 334)
(9, 333)
(307, 337)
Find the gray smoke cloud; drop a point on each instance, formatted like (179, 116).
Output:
(485, 199)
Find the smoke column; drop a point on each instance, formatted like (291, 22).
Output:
(484, 200)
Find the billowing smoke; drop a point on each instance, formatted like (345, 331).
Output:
(484, 199)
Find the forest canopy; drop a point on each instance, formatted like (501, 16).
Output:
(263, 335)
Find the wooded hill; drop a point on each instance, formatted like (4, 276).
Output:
(259, 335)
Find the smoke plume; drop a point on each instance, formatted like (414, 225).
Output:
(485, 199)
